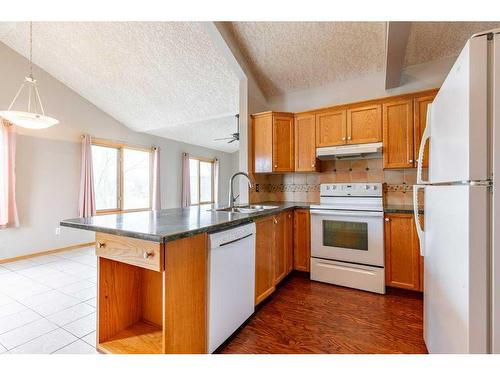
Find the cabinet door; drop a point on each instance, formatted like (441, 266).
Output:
(264, 258)
(364, 124)
(280, 266)
(402, 253)
(283, 144)
(420, 117)
(305, 143)
(398, 134)
(302, 240)
(262, 135)
(289, 241)
(331, 128)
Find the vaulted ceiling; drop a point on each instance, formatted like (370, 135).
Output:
(171, 79)
(289, 56)
(165, 78)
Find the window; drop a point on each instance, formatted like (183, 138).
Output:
(201, 180)
(122, 177)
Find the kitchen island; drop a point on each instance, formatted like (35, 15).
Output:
(152, 276)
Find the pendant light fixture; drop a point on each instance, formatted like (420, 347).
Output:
(34, 117)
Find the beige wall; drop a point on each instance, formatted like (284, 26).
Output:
(48, 161)
(414, 78)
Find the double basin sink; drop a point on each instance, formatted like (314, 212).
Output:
(248, 209)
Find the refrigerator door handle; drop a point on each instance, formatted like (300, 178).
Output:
(425, 137)
(420, 231)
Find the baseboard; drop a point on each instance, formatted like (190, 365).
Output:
(46, 252)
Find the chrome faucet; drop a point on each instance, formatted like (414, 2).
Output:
(232, 199)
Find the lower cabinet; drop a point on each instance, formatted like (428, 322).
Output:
(301, 240)
(264, 258)
(403, 263)
(273, 253)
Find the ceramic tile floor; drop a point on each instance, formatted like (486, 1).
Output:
(47, 304)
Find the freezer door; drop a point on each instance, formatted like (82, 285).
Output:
(455, 264)
(458, 119)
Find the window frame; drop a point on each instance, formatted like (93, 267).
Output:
(212, 190)
(120, 175)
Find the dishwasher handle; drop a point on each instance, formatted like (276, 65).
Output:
(236, 240)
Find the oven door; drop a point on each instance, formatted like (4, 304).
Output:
(349, 236)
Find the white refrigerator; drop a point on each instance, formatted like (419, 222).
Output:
(461, 234)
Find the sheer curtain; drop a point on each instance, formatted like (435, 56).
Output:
(8, 208)
(156, 180)
(186, 188)
(216, 181)
(86, 204)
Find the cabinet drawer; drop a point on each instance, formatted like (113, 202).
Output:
(141, 253)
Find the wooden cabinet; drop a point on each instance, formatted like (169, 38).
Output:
(403, 263)
(331, 128)
(283, 250)
(364, 124)
(349, 126)
(420, 105)
(273, 142)
(280, 266)
(289, 240)
(264, 258)
(305, 144)
(302, 240)
(398, 134)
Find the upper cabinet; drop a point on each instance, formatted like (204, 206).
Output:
(331, 128)
(305, 144)
(398, 134)
(273, 142)
(286, 142)
(364, 124)
(420, 105)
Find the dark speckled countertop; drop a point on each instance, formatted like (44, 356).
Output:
(171, 224)
(400, 209)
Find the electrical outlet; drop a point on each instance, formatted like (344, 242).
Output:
(58, 231)
(257, 188)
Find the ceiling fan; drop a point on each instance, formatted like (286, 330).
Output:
(234, 136)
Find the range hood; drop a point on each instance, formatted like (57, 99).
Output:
(362, 151)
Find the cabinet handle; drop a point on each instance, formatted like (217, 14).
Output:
(275, 221)
(410, 161)
(343, 138)
(101, 245)
(275, 165)
(386, 219)
(348, 138)
(147, 254)
(312, 165)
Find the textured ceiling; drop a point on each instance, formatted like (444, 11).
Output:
(430, 41)
(288, 56)
(166, 77)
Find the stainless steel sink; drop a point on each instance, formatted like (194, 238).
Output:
(248, 209)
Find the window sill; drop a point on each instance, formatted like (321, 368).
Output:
(111, 212)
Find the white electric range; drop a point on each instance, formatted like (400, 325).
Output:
(347, 236)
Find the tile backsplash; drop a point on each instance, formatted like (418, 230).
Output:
(304, 187)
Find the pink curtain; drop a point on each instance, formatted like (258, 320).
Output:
(156, 180)
(216, 181)
(186, 189)
(86, 204)
(8, 208)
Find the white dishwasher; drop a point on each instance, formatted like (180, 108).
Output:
(232, 282)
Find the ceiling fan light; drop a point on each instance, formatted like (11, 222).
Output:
(28, 120)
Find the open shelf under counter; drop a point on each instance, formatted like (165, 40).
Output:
(140, 338)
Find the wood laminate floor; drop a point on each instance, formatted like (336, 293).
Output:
(304, 316)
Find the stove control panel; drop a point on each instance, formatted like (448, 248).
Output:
(351, 189)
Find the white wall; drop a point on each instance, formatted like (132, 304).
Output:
(414, 78)
(48, 161)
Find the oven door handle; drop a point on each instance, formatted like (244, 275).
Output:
(347, 213)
